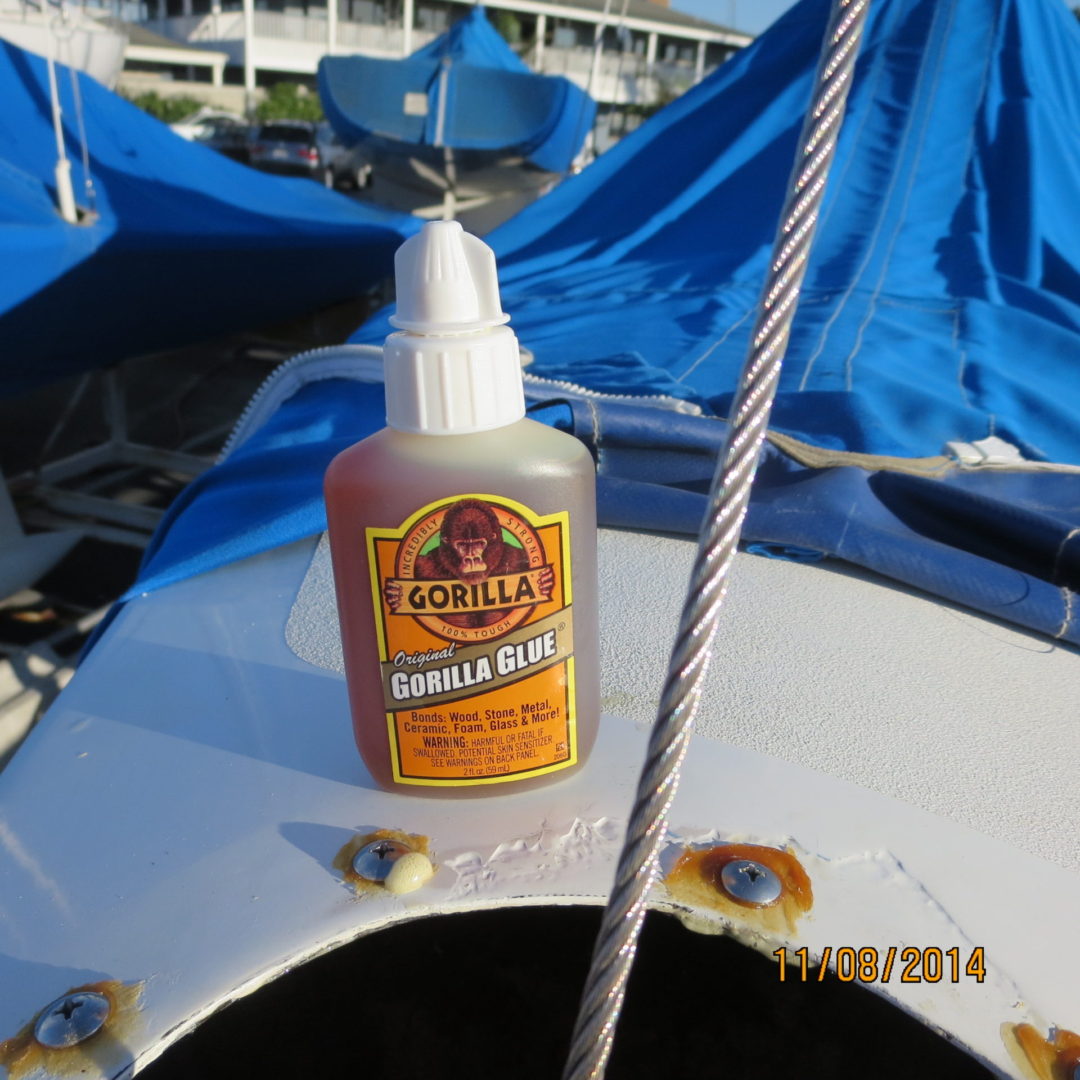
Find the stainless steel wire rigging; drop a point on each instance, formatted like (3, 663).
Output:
(636, 871)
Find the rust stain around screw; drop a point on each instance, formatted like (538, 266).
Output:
(343, 860)
(102, 1054)
(696, 880)
(1054, 1057)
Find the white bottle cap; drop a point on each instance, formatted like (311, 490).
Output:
(453, 368)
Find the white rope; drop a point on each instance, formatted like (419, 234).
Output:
(65, 196)
(84, 145)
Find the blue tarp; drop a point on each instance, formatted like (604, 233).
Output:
(941, 304)
(185, 243)
(1005, 543)
(942, 300)
(479, 94)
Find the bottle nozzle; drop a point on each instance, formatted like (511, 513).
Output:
(446, 282)
(451, 368)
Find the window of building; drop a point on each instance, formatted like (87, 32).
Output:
(148, 67)
(677, 51)
(716, 54)
(436, 17)
(370, 12)
(568, 34)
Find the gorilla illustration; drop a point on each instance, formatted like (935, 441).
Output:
(471, 549)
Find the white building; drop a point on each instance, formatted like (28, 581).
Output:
(649, 52)
(149, 54)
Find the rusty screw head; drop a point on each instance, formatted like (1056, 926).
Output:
(751, 883)
(72, 1019)
(373, 861)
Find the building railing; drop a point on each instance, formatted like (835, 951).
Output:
(678, 75)
(278, 24)
(389, 40)
(364, 37)
(621, 77)
(201, 29)
(285, 26)
(577, 62)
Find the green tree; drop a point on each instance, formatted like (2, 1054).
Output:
(169, 110)
(289, 101)
(508, 25)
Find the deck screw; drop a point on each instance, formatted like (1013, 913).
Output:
(373, 861)
(72, 1019)
(751, 883)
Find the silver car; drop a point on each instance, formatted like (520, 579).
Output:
(289, 148)
(348, 166)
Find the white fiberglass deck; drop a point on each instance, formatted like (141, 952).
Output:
(174, 819)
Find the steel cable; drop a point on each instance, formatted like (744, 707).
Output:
(637, 867)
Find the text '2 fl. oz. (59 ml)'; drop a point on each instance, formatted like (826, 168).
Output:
(463, 538)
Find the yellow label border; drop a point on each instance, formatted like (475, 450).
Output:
(562, 519)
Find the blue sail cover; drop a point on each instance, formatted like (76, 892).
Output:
(942, 300)
(185, 243)
(942, 304)
(479, 96)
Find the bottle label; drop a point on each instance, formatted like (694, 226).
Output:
(476, 642)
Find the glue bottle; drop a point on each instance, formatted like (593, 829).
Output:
(463, 540)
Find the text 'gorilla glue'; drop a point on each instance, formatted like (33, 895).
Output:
(463, 538)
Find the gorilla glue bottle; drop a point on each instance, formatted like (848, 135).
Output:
(463, 538)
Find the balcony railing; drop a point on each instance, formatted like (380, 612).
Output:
(388, 40)
(279, 24)
(287, 26)
(615, 69)
(621, 77)
(579, 61)
(201, 29)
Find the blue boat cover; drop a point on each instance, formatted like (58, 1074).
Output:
(479, 96)
(942, 304)
(185, 244)
(1005, 543)
(942, 300)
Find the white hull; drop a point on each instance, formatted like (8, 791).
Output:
(202, 778)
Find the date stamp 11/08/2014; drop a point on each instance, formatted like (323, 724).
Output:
(867, 964)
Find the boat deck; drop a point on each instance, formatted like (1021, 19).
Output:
(900, 750)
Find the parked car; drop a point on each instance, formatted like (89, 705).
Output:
(223, 131)
(345, 166)
(352, 168)
(227, 136)
(290, 148)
